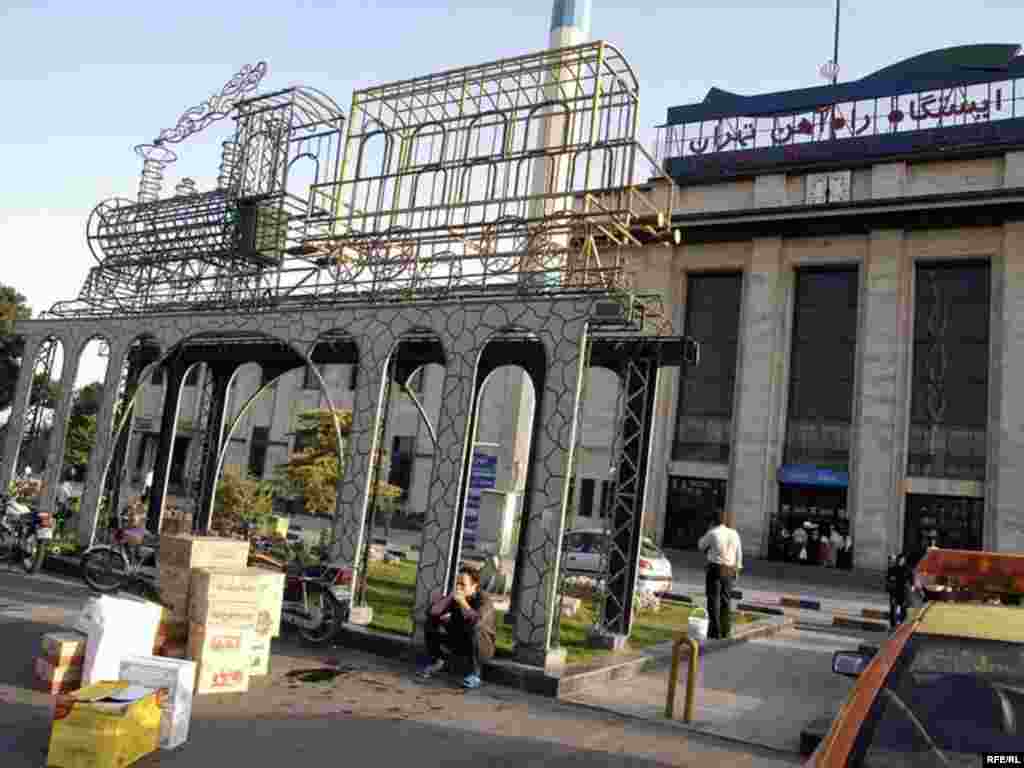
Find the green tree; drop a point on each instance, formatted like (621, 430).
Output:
(13, 307)
(241, 499)
(314, 471)
(79, 442)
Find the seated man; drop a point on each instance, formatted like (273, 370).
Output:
(465, 623)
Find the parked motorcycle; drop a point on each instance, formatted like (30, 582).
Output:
(317, 600)
(24, 533)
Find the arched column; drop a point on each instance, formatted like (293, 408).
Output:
(95, 476)
(19, 407)
(354, 486)
(174, 369)
(439, 547)
(221, 374)
(55, 460)
(554, 444)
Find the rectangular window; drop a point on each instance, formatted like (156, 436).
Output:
(353, 377)
(949, 386)
(192, 379)
(704, 416)
(607, 488)
(304, 440)
(258, 451)
(821, 368)
(268, 376)
(157, 379)
(587, 497)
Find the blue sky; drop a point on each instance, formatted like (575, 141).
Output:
(83, 82)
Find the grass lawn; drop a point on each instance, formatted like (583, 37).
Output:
(391, 591)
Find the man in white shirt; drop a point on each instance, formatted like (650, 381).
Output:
(721, 546)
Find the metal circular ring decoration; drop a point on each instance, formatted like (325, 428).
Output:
(390, 256)
(507, 245)
(348, 262)
(441, 272)
(109, 231)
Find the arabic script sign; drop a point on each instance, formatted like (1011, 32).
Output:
(961, 105)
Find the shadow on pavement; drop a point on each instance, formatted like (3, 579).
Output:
(21, 643)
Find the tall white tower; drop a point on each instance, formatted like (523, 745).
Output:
(570, 23)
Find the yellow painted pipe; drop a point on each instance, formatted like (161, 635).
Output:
(691, 679)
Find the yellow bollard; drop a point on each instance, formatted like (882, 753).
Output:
(691, 679)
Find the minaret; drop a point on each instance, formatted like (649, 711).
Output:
(570, 23)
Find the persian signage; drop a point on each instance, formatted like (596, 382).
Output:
(945, 108)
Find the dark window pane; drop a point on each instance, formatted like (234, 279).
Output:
(704, 416)
(192, 378)
(949, 388)
(821, 365)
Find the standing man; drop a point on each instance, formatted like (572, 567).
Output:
(721, 546)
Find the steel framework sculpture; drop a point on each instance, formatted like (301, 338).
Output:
(473, 218)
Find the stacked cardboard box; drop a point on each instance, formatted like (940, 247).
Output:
(269, 597)
(180, 554)
(59, 666)
(223, 610)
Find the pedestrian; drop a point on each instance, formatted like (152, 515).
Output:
(721, 546)
(898, 581)
(147, 485)
(461, 626)
(836, 545)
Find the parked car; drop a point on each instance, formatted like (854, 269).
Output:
(948, 684)
(584, 554)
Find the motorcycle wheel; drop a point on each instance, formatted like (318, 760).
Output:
(104, 570)
(33, 552)
(330, 620)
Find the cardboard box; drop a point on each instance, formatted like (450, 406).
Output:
(271, 597)
(226, 598)
(178, 678)
(53, 678)
(107, 725)
(223, 656)
(116, 627)
(174, 579)
(259, 655)
(64, 649)
(190, 552)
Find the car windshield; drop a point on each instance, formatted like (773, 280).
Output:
(945, 701)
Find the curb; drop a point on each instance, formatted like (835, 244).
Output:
(777, 604)
(854, 622)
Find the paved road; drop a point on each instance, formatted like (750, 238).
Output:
(375, 713)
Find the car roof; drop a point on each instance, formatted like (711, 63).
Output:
(973, 620)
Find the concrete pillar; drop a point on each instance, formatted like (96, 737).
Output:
(760, 392)
(538, 564)
(439, 547)
(55, 461)
(19, 407)
(1004, 523)
(209, 469)
(105, 440)
(880, 403)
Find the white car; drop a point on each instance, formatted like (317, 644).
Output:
(585, 548)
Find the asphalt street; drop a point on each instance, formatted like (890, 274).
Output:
(373, 712)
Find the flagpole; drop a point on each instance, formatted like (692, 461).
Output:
(835, 49)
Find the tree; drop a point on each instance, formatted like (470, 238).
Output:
(314, 471)
(13, 307)
(240, 499)
(82, 427)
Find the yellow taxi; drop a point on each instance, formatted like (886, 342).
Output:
(947, 687)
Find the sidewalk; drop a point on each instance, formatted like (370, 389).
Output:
(762, 692)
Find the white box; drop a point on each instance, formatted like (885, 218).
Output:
(115, 628)
(178, 678)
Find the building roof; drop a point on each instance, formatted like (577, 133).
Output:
(943, 68)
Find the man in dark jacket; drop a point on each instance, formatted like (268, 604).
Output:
(464, 623)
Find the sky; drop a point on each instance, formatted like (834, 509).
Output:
(84, 82)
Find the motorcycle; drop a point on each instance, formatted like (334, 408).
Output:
(24, 533)
(317, 600)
